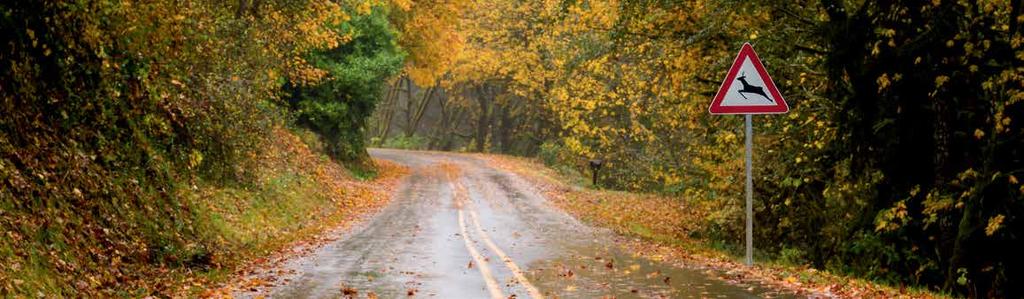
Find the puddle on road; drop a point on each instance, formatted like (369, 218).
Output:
(610, 272)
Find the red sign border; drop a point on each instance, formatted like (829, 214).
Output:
(716, 105)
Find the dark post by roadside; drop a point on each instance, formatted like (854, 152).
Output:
(595, 165)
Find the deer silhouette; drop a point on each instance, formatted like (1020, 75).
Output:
(747, 88)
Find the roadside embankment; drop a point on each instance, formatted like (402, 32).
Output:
(178, 234)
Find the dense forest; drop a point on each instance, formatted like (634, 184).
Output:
(898, 161)
(143, 143)
(131, 131)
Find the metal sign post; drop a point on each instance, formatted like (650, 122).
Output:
(750, 190)
(755, 94)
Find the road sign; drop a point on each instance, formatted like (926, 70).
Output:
(747, 88)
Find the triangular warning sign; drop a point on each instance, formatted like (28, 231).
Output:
(747, 88)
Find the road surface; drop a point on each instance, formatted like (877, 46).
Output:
(458, 228)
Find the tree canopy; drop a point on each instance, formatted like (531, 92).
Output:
(899, 160)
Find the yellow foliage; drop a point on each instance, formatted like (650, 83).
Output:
(994, 224)
(429, 32)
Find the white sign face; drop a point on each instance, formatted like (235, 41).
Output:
(747, 88)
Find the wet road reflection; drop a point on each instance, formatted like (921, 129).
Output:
(458, 228)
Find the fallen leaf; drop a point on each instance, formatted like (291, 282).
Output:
(653, 274)
(349, 292)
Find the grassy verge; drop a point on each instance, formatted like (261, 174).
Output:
(302, 194)
(660, 226)
(200, 233)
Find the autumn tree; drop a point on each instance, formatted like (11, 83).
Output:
(115, 113)
(898, 160)
(337, 107)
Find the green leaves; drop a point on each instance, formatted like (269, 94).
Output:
(337, 107)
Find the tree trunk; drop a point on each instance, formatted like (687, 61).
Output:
(243, 5)
(409, 104)
(389, 113)
(254, 9)
(966, 229)
(419, 112)
(504, 130)
(441, 128)
(457, 116)
(483, 120)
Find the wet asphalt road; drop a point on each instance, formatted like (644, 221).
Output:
(458, 228)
